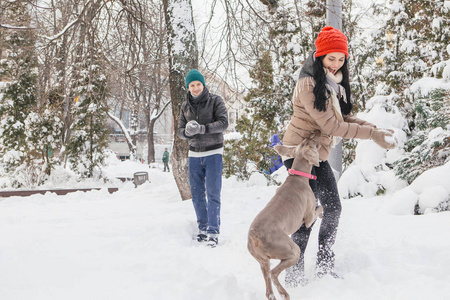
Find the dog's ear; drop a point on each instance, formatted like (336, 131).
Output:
(311, 153)
(285, 151)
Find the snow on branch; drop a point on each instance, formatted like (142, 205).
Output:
(157, 114)
(68, 26)
(122, 126)
(62, 32)
(15, 27)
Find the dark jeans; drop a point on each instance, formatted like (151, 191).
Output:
(325, 190)
(205, 175)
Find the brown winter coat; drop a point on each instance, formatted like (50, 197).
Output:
(307, 119)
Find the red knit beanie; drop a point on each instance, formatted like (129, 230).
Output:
(331, 40)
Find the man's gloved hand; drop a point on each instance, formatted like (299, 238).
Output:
(384, 138)
(193, 128)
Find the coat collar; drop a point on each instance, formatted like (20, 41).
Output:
(307, 69)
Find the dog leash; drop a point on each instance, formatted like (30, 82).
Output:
(300, 173)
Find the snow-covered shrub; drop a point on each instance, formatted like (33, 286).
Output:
(429, 145)
(371, 173)
(428, 193)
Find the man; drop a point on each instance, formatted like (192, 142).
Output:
(165, 160)
(203, 119)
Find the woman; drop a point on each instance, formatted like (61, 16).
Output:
(203, 119)
(322, 101)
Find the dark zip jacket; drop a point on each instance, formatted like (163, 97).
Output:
(209, 110)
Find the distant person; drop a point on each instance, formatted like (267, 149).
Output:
(203, 119)
(165, 160)
(322, 102)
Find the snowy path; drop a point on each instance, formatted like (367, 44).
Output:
(137, 244)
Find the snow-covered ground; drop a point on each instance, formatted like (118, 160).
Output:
(138, 244)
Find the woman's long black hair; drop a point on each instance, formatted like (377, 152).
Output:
(320, 90)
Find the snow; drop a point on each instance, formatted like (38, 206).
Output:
(447, 4)
(181, 13)
(437, 23)
(233, 136)
(7, 26)
(408, 46)
(396, 6)
(446, 71)
(434, 177)
(137, 243)
(432, 196)
(402, 202)
(425, 85)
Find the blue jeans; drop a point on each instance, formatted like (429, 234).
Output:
(205, 175)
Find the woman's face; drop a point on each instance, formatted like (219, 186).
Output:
(196, 88)
(334, 61)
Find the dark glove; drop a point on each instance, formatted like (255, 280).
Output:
(384, 138)
(193, 128)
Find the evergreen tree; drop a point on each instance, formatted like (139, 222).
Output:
(43, 128)
(19, 97)
(414, 41)
(429, 145)
(251, 153)
(287, 53)
(411, 43)
(89, 134)
(415, 37)
(273, 79)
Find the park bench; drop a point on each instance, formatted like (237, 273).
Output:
(138, 178)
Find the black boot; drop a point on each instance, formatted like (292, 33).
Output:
(202, 237)
(325, 264)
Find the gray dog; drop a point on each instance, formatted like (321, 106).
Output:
(293, 204)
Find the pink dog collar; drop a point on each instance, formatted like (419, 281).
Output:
(299, 173)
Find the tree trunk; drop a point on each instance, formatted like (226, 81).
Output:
(151, 142)
(334, 19)
(131, 145)
(183, 56)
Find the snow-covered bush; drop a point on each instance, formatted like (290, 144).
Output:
(428, 193)
(429, 144)
(371, 173)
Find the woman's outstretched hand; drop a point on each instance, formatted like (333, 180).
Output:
(384, 138)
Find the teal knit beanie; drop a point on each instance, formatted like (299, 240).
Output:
(194, 75)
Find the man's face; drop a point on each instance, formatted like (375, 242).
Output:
(196, 88)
